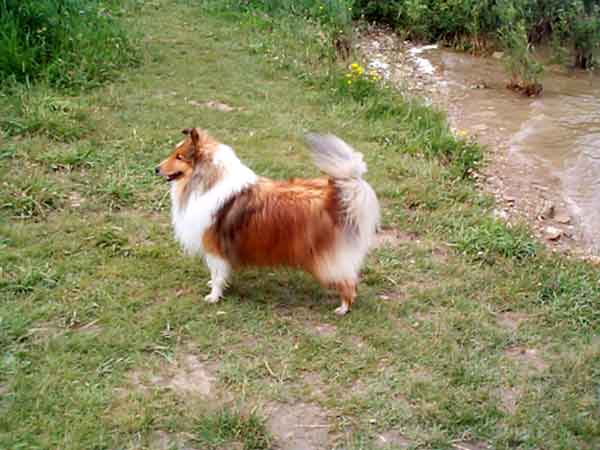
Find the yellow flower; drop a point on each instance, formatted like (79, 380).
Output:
(354, 66)
(461, 133)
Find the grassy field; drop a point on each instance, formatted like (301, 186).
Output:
(465, 334)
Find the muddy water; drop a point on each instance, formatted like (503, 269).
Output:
(544, 151)
(553, 139)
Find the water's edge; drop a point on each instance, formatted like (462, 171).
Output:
(544, 153)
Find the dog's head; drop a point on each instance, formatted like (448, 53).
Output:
(186, 156)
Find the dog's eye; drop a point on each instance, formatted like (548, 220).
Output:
(179, 157)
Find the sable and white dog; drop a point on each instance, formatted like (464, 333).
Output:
(223, 211)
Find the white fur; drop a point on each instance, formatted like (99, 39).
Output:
(219, 273)
(336, 158)
(190, 221)
(343, 262)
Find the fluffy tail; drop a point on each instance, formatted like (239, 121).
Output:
(346, 166)
(334, 157)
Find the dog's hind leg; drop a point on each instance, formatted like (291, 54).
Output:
(347, 291)
(219, 273)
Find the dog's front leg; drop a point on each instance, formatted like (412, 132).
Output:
(219, 273)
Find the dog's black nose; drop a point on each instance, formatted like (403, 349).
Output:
(157, 170)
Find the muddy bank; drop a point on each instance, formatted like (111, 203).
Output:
(543, 156)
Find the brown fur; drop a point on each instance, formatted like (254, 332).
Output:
(276, 223)
(193, 159)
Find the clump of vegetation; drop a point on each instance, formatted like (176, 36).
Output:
(490, 238)
(22, 280)
(67, 43)
(525, 71)
(571, 26)
(228, 426)
(358, 83)
(571, 292)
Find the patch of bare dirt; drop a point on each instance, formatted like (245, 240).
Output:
(421, 375)
(358, 342)
(392, 237)
(511, 320)
(441, 252)
(509, 398)
(392, 440)
(213, 104)
(186, 376)
(315, 383)
(299, 426)
(322, 329)
(88, 328)
(43, 332)
(471, 445)
(527, 358)
(162, 440)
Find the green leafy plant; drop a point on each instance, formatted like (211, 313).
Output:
(525, 71)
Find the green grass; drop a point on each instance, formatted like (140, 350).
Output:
(226, 426)
(99, 309)
(65, 43)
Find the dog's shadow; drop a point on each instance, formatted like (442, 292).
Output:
(280, 288)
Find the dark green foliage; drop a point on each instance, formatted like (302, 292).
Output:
(64, 42)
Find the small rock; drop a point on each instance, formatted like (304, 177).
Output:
(594, 260)
(547, 211)
(552, 234)
(501, 214)
(563, 218)
(498, 55)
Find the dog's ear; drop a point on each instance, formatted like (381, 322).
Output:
(195, 136)
(193, 133)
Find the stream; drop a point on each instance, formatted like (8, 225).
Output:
(545, 150)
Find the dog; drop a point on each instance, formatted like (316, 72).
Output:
(226, 213)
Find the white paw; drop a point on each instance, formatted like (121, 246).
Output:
(340, 311)
(212, 298)
(209, 283)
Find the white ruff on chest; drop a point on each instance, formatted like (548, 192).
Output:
(191, 220)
